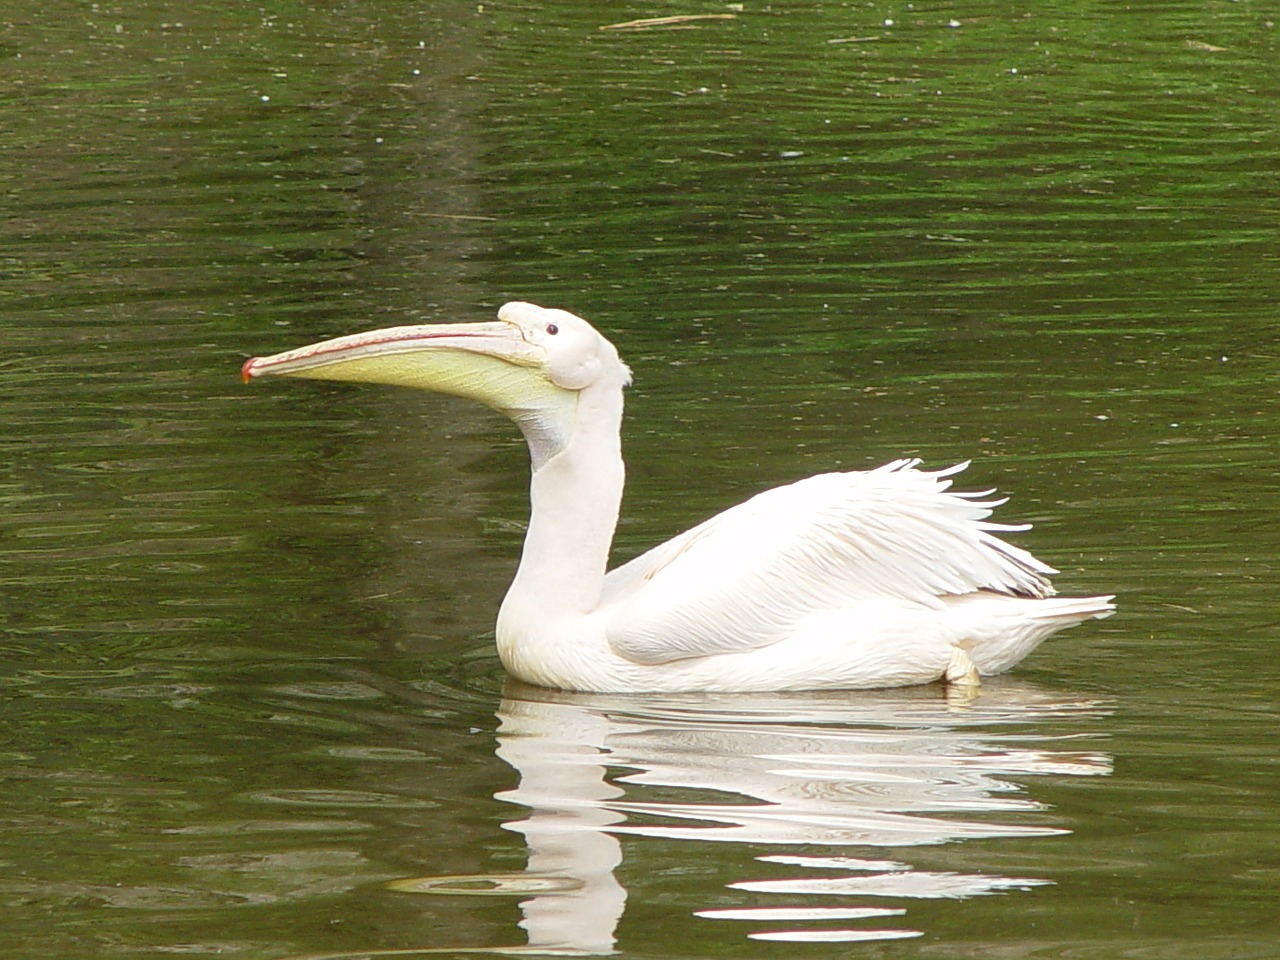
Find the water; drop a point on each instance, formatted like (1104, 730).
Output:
(250, 698)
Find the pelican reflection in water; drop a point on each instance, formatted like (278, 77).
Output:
(876, 578)
(828, 793)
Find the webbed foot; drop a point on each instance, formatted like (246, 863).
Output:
(961, 669)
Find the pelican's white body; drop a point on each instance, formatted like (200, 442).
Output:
(863, 579)
(656, 625)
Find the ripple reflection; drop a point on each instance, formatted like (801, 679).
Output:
(891, 769)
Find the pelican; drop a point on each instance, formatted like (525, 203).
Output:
(876, 578)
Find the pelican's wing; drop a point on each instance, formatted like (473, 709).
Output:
(744, 578)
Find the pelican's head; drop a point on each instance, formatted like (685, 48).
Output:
(530, 364)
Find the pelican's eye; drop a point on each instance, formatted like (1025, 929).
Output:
(552, 329)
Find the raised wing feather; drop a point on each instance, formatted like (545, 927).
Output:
(745, 578)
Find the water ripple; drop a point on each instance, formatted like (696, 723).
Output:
(356, 799)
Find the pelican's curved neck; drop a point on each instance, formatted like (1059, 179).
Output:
(574, 496)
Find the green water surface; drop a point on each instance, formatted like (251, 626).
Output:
(250, 705)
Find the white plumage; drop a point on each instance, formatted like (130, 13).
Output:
(870, 578)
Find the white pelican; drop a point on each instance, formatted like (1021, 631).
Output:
(875, 578)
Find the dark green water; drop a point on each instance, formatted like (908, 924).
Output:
(245, 633)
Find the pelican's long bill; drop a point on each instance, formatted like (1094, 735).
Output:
(493, 363)
(457, 358)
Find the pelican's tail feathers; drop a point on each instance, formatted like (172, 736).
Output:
(1077, 609)
(1003, 629)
